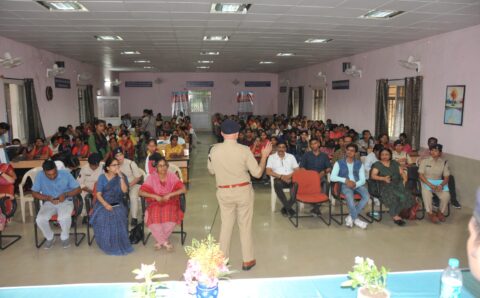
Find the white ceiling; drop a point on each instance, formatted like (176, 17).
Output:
(170, 33)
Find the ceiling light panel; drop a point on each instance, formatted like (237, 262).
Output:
(141, 61)
(208, 53)
(108, 37)
(317, 40)
(130, 53)
(68, 6)
(216, 38)
(380, 14)
(266, 62)
(285, 54)
(205, 61)
(234, 8)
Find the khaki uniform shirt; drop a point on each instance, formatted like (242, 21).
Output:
(230, 162)
(89, 177)
(432, 169)
(402, 158)
(130, 169)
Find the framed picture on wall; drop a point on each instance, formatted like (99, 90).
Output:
(454, 103)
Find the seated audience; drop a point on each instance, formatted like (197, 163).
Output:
(391, 180)
(97, 142)
(161, 191)
(351, 174)
(399, 155)
(127, 145)
(249, 138)
(274, 141)
(365, 143)
(318, 161)
(173, 150)
(384, 140)
(87, 178)
(4, 128)
(292, 143)
(80, 149)
(56, 188)
(406, 146)
(7, 181)
(302, 145)
(55, 144)
(341, 152)
(40, 150)
(151, 149)
(371, 158)
(256, 149)
(110, 217)
(434, 174)
(281, 166)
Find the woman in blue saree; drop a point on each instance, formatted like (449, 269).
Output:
(110, 215)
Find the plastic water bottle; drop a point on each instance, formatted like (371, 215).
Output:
(451, 280)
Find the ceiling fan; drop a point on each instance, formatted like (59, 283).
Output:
(353, 72)
(7, 61)
(411, 63)
(54, 71)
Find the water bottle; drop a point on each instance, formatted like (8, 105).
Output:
(451, 280)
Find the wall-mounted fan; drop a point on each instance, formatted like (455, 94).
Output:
(84, 76)
(7, 61)
(54, 71)
(235, 82)
(354, 72)
(411, 63)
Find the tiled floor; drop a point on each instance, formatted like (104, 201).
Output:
(281, 249)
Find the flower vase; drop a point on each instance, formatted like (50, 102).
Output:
(364, 292)
(205, 292)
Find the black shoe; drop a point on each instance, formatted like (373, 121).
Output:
(399, 222)
(284, 211)
(84, 220)
(456, 204)
(315, 211)
(134, 222)
(291, 213)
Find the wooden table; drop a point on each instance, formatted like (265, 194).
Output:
(30, 164)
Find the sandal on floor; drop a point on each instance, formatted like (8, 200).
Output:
(158, 246)
(168, 246)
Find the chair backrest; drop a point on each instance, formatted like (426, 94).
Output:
(176, 169)
(308, 182)
(32, 173)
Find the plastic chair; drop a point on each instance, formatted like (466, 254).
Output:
(307, 189)
(8, 207)
(183, 207)
(27, 197)
(77, 210)
(273, 194)
(335, 188)
(176, 169)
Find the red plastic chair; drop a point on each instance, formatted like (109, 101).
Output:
(307, 189)
(335, 188)
(8, 207)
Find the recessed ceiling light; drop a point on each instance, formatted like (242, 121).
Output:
(206, 53)
(317, 40)
(130, 53)
(216, 38)
(238, 8)
(63, 5)
(205, 61)
(285, 54)
(266, 62)
(108, 37)
(148, 67)
(381, 14)
(203, 67)
(141, 61)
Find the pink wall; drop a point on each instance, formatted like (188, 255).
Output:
(134, 100)
(447, 59)
(63, 109)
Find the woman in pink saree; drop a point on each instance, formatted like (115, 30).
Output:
(162, 190)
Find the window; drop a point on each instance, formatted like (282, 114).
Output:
(81, 105)
(318, 112)
(108, 107)
(16, 109)
(245, 103)
(396, 107)
(295, 102)
(199, 101)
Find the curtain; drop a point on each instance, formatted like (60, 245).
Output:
(180, 103)
(245, 103)
(34, 121)
(89, 108)
(300, 101)
(413, 109)
(290, 103)
(381, 109)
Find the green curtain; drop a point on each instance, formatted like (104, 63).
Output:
(290, 103)
(300, 101)
(381, 109)
(89, 107)
(34, 121)
(413, 109)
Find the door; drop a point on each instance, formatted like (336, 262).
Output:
(319, 100)
(199, 106)
(16, 109)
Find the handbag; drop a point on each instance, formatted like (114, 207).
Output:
(136, 234)
(411, 213)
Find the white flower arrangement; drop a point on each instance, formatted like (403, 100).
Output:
(147, 288)
(366, 274)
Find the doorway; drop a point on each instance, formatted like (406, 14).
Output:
(319, 104)
(82, 108)
(199, 106)
(16, 109)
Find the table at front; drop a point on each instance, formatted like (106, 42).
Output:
(424, 284)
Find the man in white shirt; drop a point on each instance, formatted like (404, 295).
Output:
(281, 166)
(371, 158)
(130, 169)
(87, 178)
(350, 172)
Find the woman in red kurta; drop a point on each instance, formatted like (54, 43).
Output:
(7, 180)
(162, 190)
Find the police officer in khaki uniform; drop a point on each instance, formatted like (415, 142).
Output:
(231, 163)
(434, 174)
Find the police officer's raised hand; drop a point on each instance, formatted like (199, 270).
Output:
(267, 150)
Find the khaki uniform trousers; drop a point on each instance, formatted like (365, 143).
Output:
(427, 196)
(236, 204)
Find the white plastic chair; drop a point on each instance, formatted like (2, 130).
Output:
(24, 198)
(273, 195)
(176, 169)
